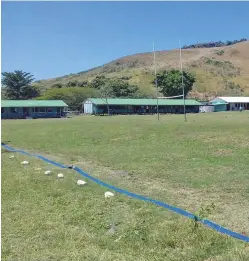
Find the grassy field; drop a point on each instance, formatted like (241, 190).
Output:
(201, 166)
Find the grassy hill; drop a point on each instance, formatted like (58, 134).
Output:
(218, 70)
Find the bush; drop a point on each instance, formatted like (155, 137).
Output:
(220, 52)
(57, 85)
(125, 77)
(72, 84)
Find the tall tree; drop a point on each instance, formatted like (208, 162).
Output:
(118, 88)
(170, 82)
(17, 85)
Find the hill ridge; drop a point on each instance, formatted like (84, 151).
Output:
(218, 70)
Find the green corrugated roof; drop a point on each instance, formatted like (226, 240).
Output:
(219, 102)
(99, 101)
(33, 103)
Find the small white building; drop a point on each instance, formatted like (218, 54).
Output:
(88, 107)
(206, 108)
(233, 103)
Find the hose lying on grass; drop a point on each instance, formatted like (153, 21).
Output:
(139, 197)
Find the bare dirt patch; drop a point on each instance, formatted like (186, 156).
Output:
(223, 152)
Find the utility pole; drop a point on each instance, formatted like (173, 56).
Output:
(156, 80)
(183, 90)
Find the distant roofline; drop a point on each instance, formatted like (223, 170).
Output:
(33, 103)
(30, 100)
(233, 99)
(142, 102)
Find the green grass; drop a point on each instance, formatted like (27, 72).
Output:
(193, 165)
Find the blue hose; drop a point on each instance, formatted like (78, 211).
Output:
(137, 196)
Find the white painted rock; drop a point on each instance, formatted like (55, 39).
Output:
(38, 169)
(47, 172)
(108, 194)
(60, 176)
(11, 157)
(25, 162)
(81, 182)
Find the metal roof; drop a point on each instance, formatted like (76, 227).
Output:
(33, 103)
(100, 101)
(218, 102)
(235, 99)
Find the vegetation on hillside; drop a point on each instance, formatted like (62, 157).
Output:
(213, 44)
(212, 68)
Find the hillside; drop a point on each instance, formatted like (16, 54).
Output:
(218, 70)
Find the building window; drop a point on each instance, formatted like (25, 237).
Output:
(42, 109)
(2, 110)
(49, 109)
(13, 110)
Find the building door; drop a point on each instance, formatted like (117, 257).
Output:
(26, 112)
(59, 111)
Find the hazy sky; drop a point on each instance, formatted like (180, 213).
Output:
(50, 39)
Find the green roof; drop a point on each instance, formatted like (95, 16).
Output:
(33, 103)
(100, 101)
(218, 102)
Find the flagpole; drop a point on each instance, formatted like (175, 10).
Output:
(156, 80)
(183, 90)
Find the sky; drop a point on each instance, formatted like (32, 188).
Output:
(52, 39)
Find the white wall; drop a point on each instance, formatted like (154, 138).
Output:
(206, 108)
(88, 107)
